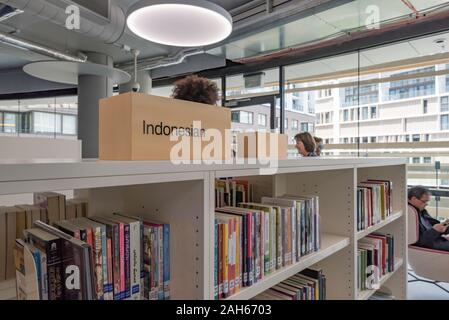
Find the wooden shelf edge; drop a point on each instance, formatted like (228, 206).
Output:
(366, 294)
(330, 245)
(363, 233)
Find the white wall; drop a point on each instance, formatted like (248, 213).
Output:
(18, 148)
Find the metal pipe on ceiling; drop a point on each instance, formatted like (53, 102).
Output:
(107, 33)
(40, 49)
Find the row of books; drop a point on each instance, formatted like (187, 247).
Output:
(113, 257)
(231, 193)
(256, 239)
(309, 284)
(374, 202)
(58, 208)
(375, 258)
(15, 219)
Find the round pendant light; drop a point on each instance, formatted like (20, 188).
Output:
(181, 23)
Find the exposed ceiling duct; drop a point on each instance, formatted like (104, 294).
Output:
(104, 32)
(40, 49)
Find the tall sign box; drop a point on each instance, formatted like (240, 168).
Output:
(136, 126)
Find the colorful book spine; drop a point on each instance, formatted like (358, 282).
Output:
(122, 261)
(135, 267)
(166, 261)
(127, 262)
(216, 257)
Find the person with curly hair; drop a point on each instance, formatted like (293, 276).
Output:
(196, 89)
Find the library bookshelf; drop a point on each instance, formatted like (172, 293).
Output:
(183, 196)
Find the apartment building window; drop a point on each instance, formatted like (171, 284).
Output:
(304, 127)
(365, 113)
(444, 104)
(10, 122)
(416, 138)
(345, 140)
(295, 124)
(373, 139)
(416, 160)
(373, 112)
(325, 93)
(445, 122)
(244, 117)
(368, 94)
(405, 125)
(407, 138)
(327, 117)
(365, 140)
(345, 115)
(425, 104)
(235, 116)
(262, 119)
(427, 137)
(410, 88)
(427, 160)
(297, 105)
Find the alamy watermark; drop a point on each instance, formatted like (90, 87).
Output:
(73, 21)
(195, 145)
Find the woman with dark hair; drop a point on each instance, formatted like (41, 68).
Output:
(196, 89)
(305, 144)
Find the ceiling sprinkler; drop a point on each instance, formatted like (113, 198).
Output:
(441, 43)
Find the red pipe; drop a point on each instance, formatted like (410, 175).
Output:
(410, 6)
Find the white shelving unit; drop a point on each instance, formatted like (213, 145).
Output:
(183, 195)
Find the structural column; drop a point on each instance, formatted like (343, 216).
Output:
(143, 78)
(90, 90)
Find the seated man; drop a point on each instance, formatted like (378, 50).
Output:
(431, 231)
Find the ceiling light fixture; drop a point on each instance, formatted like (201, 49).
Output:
(181, 23)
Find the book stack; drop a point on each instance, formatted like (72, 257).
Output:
(309, 284)
(375, 258)
(157, 260)
(48, 207)
(112, 257)
(13, 221)
(231, 192)
(256, 239)
(374, 202)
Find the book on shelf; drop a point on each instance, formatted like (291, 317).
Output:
(27, 266)
(157, 262)
(375, 259)
(9, 230)
(54, 203)
(374, 202)
(256, 239)
(309, 284)
(77, 265)
(113, 257)
(232, 192)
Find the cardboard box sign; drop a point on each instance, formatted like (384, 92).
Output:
(259, 145)
(136, 126)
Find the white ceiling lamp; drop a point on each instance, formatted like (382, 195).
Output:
(180, 23)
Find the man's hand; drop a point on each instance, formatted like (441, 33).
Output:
(440, 227)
